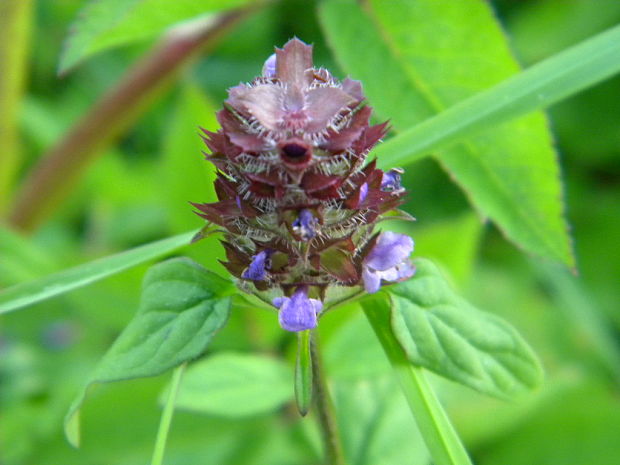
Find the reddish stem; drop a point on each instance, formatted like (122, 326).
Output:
(53, 177)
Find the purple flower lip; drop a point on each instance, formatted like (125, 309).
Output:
(388, 260)
(257, 271)
(298, 312)
(363, 192)
(391, 180)
(305, 225)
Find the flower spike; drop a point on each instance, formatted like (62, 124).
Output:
(297, 198)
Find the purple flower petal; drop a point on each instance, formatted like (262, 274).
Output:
(389, 250)
(372, 281)
(257, 271)
(269, 68)
(391, 180)
(405, 270)
(363, 192)
(305, 225)
(298, 313)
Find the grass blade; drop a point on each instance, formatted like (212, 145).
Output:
(31, 292)
(538, 87)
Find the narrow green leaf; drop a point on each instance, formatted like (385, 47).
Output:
(182, 307)
(510, 174)
(536, 88)
(441, 439)
(442, 332)
(235, 385)
(28, 293)
(166, 416)
(104, 24)
(15, 20)
(303, 373)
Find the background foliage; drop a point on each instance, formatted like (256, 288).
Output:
(137, 190)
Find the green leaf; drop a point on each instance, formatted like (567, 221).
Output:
(538, 87)
(442, 332)
(235, 385)
(104, 24)
(303, 373)
(182, 307)
(433, 58)
(28, 293)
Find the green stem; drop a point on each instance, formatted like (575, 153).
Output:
(325, 409)
(166, 416)
(439, 435)
(303, 373)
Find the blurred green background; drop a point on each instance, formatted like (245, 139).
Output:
(139, 190)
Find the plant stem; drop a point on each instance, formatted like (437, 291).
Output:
(15, 24)
(303, 373)
(439, 435)
(52, 178)
(166, 416)
(325, 409)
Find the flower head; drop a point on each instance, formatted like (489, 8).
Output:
(298, 200)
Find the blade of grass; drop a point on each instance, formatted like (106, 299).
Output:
(54, 176)
(166, 416)
(28, 293)
(539, 86)
(14, 33)
(439, 435)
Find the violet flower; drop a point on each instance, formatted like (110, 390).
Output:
(305, 225)
(257, 270)
(298, 313)
(388, 260)
(391, 180)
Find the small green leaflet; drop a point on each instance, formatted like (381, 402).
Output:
(182, 306)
